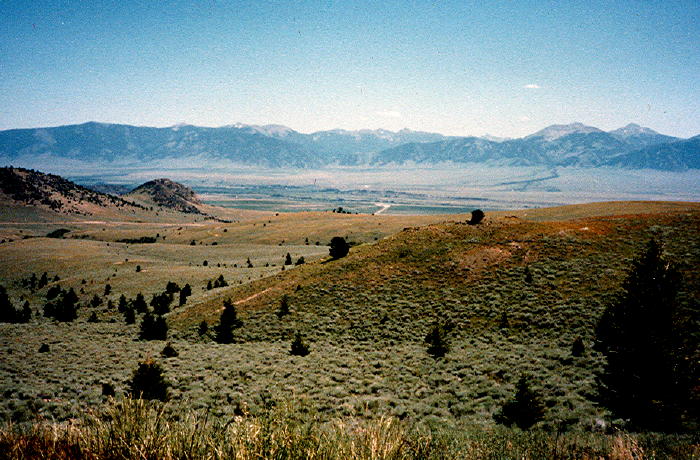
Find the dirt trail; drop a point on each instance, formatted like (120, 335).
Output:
(257, 294)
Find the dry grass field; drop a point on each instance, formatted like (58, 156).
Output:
(364, 316)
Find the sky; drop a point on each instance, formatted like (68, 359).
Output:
(455, 67)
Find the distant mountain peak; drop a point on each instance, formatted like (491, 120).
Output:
(633, 129)
(554, 132)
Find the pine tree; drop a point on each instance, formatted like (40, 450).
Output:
(288, 259)
(121, 307)
(108, 289)
(129, 315)
(227, 322)
(524, 410)
(284, 306)
(203, 328)
(140, 303)
(7, 310)
(299, 347)
(649, 375)
(437, 342)
(153, 327)
(148, 382)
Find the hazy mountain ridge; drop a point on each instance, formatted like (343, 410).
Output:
(276, 146)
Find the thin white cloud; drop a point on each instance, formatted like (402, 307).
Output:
(389, 113)
(532, 86)
(524, 118)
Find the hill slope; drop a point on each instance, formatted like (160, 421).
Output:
(24, 187)
(169, 194)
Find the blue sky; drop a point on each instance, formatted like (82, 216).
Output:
(460, 68)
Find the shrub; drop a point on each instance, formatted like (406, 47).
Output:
(300, 261)
(108, 289)
(339, 247)
(172, 287)
(93, 318)
(227, 322)
(299, 347)
(203, 328)
(437, 342)
(524, 409)
(477, 216)
(148, 382)
(169, 351)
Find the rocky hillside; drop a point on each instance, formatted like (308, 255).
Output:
(27, 187)
(168, 194)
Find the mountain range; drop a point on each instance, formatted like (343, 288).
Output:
(276, 146)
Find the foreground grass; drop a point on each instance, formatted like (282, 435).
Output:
(127, 428)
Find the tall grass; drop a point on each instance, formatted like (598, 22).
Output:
(137, 429)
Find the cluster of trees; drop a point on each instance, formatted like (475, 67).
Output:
(61, 305)
(218, 283)
(33, 282)
(8, 312)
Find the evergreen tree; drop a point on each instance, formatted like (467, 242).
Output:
(66, 308)
(96, 301)
(288, 259)
(153, 327)
(7, 310)
(108, 289)
(650, 375)
(140, 303)
(300, 261)
(524, 410)
(129, 315)
(299, 347)
(227, 322)
(339, 247)
(185, 292)
(121, 307)
(203, 328)
(172, 287)
(284, 306)
(43, 281)
(53, 292)
(148, 382)
(437, 342)
(578, 347)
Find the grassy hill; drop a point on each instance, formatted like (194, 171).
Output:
(364, 316)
